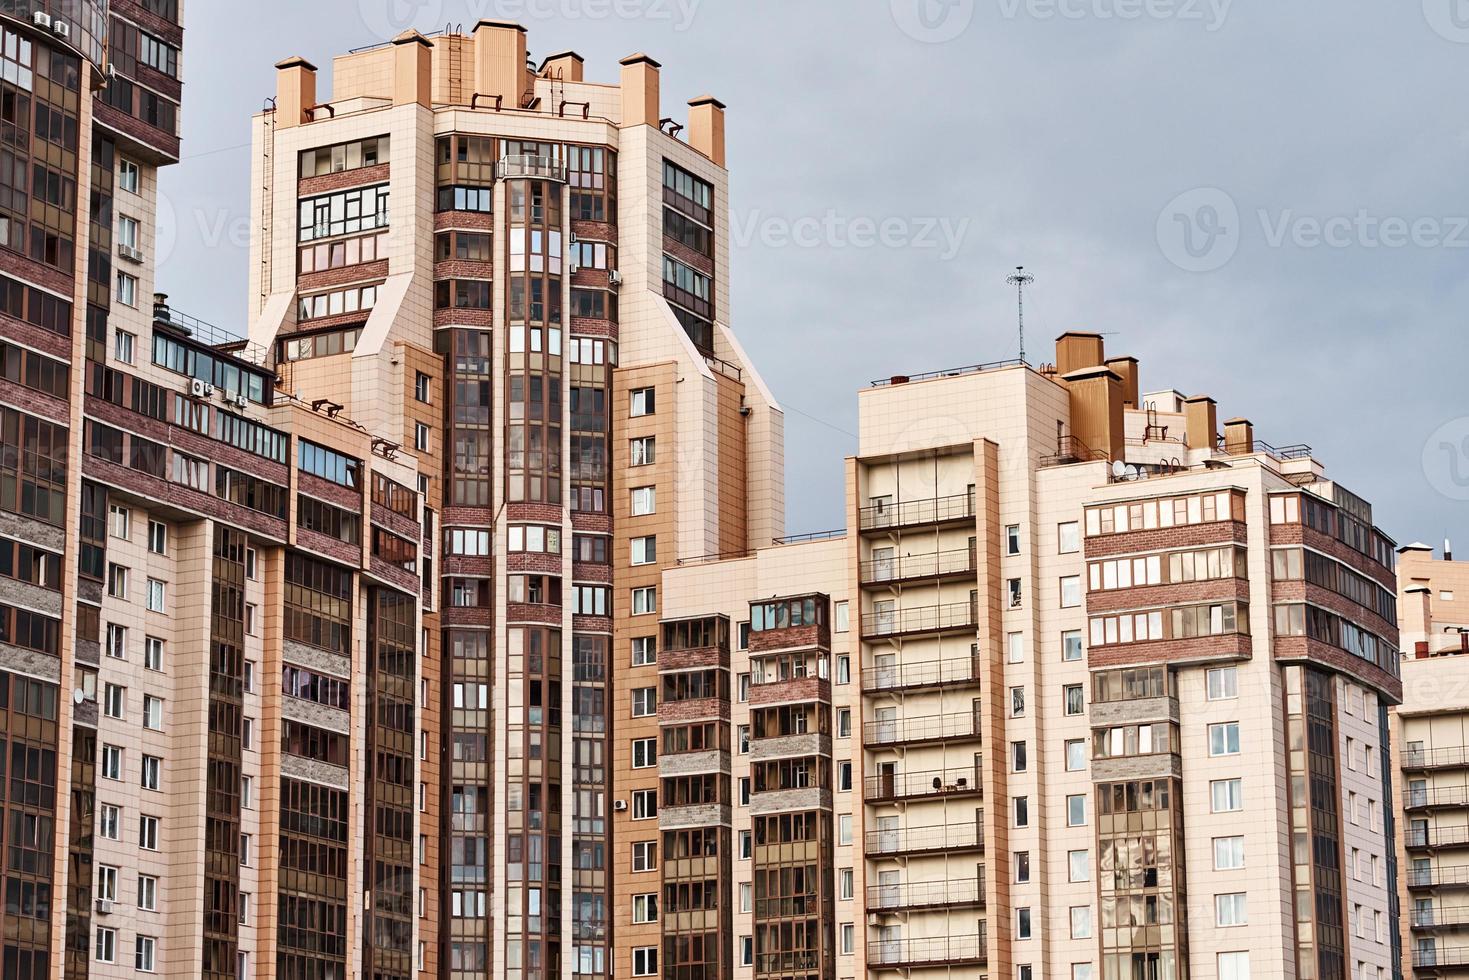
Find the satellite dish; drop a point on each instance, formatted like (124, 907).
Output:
(1119, 469)
(1131, 472)
(77, 695)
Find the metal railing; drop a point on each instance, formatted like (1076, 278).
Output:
(929, 510)
(898, 567)
(1457, 755)
(1443, 916)
(929, 783)
(938, 837)
(1436, 796)
(953, 615)
(962, 670)
(1431, 877)
(962, 950)
(902, 379)
(1070, 449)
(840, 532)
(929, 728)
(1437, 837)
(963, 891)
(209, 334)
(1427, 959)
(1280, 453)
(531, 165)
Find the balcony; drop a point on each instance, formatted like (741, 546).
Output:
(1436, 837)
(928, 512)
(1070, 449)
(959, 726)
(1453, 757)
(531, 165)
(931, 784)
(959, 672)
(940, 951)
(694, 815)
(790, 746)
(915, 841)
(1444, 917)
(799, 799)
(1436, 959)
(906, 568)
(1432, 797)
(789, 690)
(953, 617)
(963, 893)
(1438, 878)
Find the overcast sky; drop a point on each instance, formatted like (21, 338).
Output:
(1262, 200)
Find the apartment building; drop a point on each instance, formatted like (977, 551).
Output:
(1091, 686)
(1431, 754)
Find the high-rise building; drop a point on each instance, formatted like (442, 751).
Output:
(1086, 689)
(89, 103)
(1431, 756)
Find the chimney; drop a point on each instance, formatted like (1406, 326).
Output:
(295, 91)
(1239, 437)
(706, 127)
(566, 66)
(1096, 409)
(1126, 369)
(639, 91)
(1448, 550)
(499, 61)
(1075, 351)
(1201, 430)
(413, 75)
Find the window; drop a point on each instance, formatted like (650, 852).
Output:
(1015, 648)
(155, 595)
(148, 832)
(1081, 922)
(642, 451)
(1071, 645)
(645, 855)
(1012, 539)
(247, 792)
(1233, 966)
(1016, 594)
(127, 289)
(1222, 683)
(106, 883)
(644, 650)
(1075, 755)
(644, 551)
(1229, 853)
(644, 702)
(644, 804)
(123, 344)
(747, 844)
(1017, 702)
(152, 777)
(642, 402)
(747, 950)
(645, 908)
(117, 581)
(128, 176)
(1070, 591)
(1018, 761)
(421, 386)
(1078, 866)
(844, 879)
(143, 953)
(645, 600)
(246, 844)
(1022, 923)
(111, 762)
(113, 698)
(1082, 971)
(152, 653)
(644, 753)
(119, 521)
(1224, 738)
(148, 893)
(1075, 702)
(645, 961)
(1226, 795)
(152, 713)
(747, 895)
(849, 938)
(109, 821)
(1076, 810)
(117, 641)
(106, 944)
(1229, 910)
(158, 537)
(1022, 811)
(420, 437)
(644, 501)
(1068, 537)
(1022, 867)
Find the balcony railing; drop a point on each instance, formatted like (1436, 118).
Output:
(1455, 756)
(964, 892)
(1432, 796)
(940, 837)
(925, 728)
(957, 950)
(931, 510)
(1436, 877)
(921, 619)
(531, 165)
(931, 565)
(1070, 449)
(1437, 837)
(931, 783)
(934, 673)
(1443, 917)
(1433, 958)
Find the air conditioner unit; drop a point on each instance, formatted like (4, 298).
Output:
(574, 239)
(238, 400)
(200, 389)
(572, 267)
(130, 253)
(619, 805)
(104, 906)
(61, 28)
(41, 18)
(614, 277)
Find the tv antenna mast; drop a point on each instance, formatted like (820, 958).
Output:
(1020, 280)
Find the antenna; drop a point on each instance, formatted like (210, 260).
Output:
(1020, 280)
